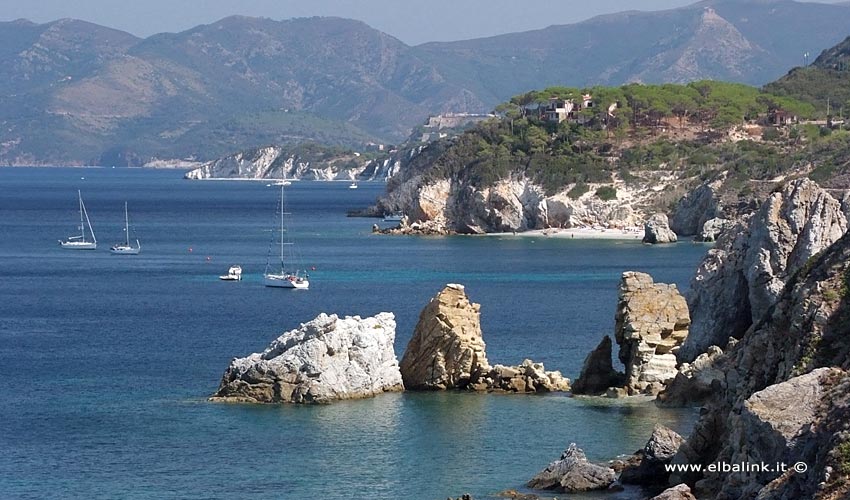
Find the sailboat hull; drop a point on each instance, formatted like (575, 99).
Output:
(78, 245)
(124, 250)
(285, 281)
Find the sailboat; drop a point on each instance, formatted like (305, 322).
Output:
(284, 274)
(126, 248)
(353, 185)
(80, 242)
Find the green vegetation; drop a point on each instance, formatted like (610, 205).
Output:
(606, 193)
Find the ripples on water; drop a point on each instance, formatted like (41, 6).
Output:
(108, 359)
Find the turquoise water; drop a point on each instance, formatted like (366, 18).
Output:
(107, 360)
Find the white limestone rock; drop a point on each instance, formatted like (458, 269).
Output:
(326, 359)
(657, 230)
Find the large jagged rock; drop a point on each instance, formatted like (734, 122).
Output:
(598, 373)
(744, 274)
(327, 359)
(655, 455)
(650, 324)
(572, 473)
(697, 207)
(783, 394)
(657, 230)
(447, 351)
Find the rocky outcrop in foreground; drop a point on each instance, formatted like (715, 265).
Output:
(657, 230)
(782, 394)
(741, 278)
(651, 324)
(447, 351)
(327, 359)
(572, 473)
(655, 455)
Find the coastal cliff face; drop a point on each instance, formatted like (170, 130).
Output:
(327, 359)
(299, 162)
(741, 278)
(781, 394)
(515, 204)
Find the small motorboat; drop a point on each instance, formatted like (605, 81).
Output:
(233, 274)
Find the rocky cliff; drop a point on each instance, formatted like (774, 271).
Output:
(327, 359)
(780, 394)
(741, 278)
(306, 162)
(447, 351)
(514, 204)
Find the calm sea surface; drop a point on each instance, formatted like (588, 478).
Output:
(107, 360)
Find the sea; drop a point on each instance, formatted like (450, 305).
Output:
(108, 360)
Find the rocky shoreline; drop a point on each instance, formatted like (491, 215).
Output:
(759, 341)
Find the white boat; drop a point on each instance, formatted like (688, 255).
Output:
(396, 217)
(80, 242)
(126, 248)
(283, 274)
(353, 185)
(233, 274)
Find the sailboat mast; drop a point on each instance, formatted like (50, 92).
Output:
(82, 227)
(88, 222)
(126, 225)
(281, 226)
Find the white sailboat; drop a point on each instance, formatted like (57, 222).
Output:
(80, 242)
(284, 274)
(126, 248)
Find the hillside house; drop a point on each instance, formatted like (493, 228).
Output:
(558, 110)
(779, 117)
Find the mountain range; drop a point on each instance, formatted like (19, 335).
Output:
(73, 92)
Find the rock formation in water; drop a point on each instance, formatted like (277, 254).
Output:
(651, 324)
(655, 455)
(447, 351)
(572, 473)
(598, 373)
(678, 492)
(327, 359)
(782, 392)
(657, 230)
(744, 274)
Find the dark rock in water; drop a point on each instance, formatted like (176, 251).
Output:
(678, 492)
(515, 495)
(572, 473)
(598, 373)
(658, 452)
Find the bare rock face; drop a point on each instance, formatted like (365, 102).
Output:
(742, 277)
(598, 373)
(447, 348)
(447, 351)
(713, 228)
(697, 207)
(572, 473)
(651, 324)
(657, 230)
(783, 394)
(324, 360)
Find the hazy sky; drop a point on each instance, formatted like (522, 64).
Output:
(409, 20)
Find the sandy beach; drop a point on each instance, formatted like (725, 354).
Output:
(581, 233)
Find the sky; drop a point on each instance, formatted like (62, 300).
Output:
(411, 21)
